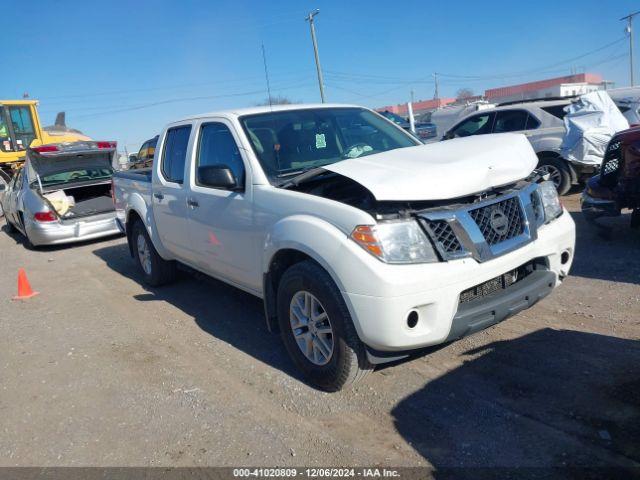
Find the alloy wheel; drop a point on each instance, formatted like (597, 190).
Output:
(311, 328)
(555, 175)
(144, 254)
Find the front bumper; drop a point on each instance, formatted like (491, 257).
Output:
(433, 292)
(55, 233)
(593, 208)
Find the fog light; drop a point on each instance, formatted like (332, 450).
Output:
(412, 319)
(565, 257)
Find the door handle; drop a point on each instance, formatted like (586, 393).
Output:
(192, 203)
(159, 196)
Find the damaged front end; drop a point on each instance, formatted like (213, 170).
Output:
(618, 185)
(482, 226)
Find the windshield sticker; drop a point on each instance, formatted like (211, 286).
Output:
(321, 142)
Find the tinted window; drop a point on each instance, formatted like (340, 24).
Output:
(476, 125)
(510, 121)
(532, 122)
(556, 111)
(175, 153)
(218, 147)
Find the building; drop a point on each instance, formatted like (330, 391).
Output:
(569, 85)
(566, 86)
(421, 106)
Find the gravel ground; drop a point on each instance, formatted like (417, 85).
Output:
(98, 370)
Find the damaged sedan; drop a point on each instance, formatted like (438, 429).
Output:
(63, 194)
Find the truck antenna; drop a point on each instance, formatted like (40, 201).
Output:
(266, 74)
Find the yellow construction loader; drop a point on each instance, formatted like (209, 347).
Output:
(20, 128)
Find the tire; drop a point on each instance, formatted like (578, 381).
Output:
(10, 226)
(347, 362)
(559, 172)
(155, 270)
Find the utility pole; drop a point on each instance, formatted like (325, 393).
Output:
(436, 94)
(629, 19)
(315, 51)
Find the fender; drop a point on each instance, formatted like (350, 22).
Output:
(546, 143)
(310, 235)
(136, 203)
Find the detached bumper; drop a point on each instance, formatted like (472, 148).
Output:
(55, 233)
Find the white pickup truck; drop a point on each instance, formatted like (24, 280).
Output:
(365, 245)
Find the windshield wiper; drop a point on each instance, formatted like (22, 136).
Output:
(302, 176)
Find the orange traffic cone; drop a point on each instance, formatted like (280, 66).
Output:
(24, 289)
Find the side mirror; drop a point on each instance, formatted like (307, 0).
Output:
(448, 136)
(3, 187)
(217, 176)
(133, 158)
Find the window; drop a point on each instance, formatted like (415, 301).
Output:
(289, 142)
(532, 122)
(22, 126)
(556, 110)
(175, 153)
(218, 147)
(510, 121)
(476, 125)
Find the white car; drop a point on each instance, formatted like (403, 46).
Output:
(365, 245)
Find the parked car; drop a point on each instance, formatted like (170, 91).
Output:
(364, 244)
(144, 157)
(445, 117)
(618, 185)
(541, 121)
(424, 130)
(63, 194)
(628, 101)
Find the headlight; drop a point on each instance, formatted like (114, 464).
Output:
(550, 201)
(395, 242)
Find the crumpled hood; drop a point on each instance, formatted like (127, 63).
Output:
(443, 170)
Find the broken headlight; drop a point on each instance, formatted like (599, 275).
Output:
(550, 200)
(395, 242)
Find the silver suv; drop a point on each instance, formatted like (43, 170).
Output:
(542, 123)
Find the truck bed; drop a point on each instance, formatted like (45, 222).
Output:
(141, 175)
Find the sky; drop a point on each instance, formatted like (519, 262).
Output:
(121, 70)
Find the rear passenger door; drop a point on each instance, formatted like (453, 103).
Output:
(510, 121)
(169, 196)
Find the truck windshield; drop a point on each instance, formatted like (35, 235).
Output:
(292, 141)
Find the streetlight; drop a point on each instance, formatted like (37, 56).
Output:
(315, 50)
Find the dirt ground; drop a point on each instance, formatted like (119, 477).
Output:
(99, 370)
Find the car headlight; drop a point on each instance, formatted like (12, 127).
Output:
(550, 200)
(395, 242)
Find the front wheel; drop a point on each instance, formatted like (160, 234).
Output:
(558, 171)
(155, 270)
(317, 329)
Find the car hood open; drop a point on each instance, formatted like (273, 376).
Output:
(443, 170)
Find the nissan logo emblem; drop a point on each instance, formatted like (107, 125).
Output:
(499, 221)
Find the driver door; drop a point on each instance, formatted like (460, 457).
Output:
(479, 124)
(221, 225)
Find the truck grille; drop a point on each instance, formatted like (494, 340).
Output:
(498, 284)
(611, 164)
(499, 221)
(444, 236)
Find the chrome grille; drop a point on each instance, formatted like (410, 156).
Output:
(444, 236)
(499, 221)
